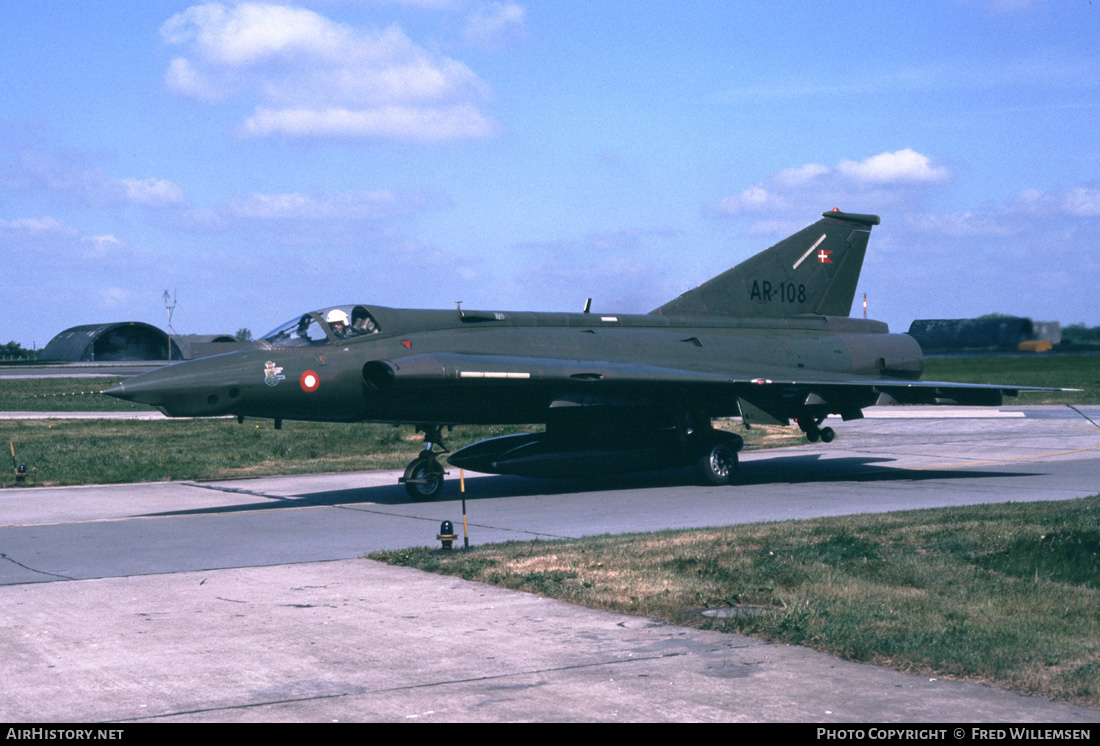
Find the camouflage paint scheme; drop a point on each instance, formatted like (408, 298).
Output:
(769, 340)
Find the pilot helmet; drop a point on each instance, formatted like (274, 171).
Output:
(337, 316)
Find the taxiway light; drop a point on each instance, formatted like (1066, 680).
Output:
(446, 534)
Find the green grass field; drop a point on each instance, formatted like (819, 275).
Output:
(67, 452)
(62, 395)
(1036, 369)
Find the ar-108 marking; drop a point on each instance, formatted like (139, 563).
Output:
(784, 292)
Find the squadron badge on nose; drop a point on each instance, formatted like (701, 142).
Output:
(272, 374)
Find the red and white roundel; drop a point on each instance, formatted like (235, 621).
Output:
(309, 381)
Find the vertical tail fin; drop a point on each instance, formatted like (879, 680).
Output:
(815, 271)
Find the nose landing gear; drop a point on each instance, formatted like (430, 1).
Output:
(423, 478)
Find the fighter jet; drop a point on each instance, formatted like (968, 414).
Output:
(769, 340)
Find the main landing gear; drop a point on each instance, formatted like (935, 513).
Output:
(716, 463)
(814, 431)
(423, 478)
(716, 457)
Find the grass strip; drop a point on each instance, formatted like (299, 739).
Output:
(69, 452)
(63, 395)
(1004, 594)
(1035, 369)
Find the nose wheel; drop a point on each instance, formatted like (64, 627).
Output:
(423, 477)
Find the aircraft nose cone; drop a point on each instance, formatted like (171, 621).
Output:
(135, 390)
(195, 388)
(118, 391)
(153, 388)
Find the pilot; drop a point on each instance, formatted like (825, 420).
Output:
(338, 322)
(361, 321)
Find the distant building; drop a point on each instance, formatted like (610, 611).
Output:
(987, 333)
(132, 340)
(126, 340)
(1051, 331)
(204, 345)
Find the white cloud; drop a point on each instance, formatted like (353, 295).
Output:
(254, 32)
(879, 180)
(1082, 202)
(959, 224)
(755, 199)
(390, 122)
(313, 77)
(115, 297)
(801, 175)
(152, 192)
(495, 25)
(350, 206)
(105, 246)
(48, 246)
(184, 79)
(1079, 202)
(902, 166)
(69, 173)
(36, 226)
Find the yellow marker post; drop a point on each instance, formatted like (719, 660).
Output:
(465, 529)
(20, 474)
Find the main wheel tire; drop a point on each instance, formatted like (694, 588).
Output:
(424, 478)
(716, 463)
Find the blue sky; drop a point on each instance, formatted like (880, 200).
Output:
(263, 159)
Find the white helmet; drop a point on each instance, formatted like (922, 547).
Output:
(337, 316)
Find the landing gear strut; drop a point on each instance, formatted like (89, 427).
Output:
(423, 478)
(814, 431)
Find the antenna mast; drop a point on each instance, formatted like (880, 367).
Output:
(170, 307)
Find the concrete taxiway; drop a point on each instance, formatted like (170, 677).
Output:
(248, 599)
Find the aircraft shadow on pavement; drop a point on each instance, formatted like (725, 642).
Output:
(801, 469)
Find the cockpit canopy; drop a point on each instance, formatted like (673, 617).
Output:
(327, 326)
